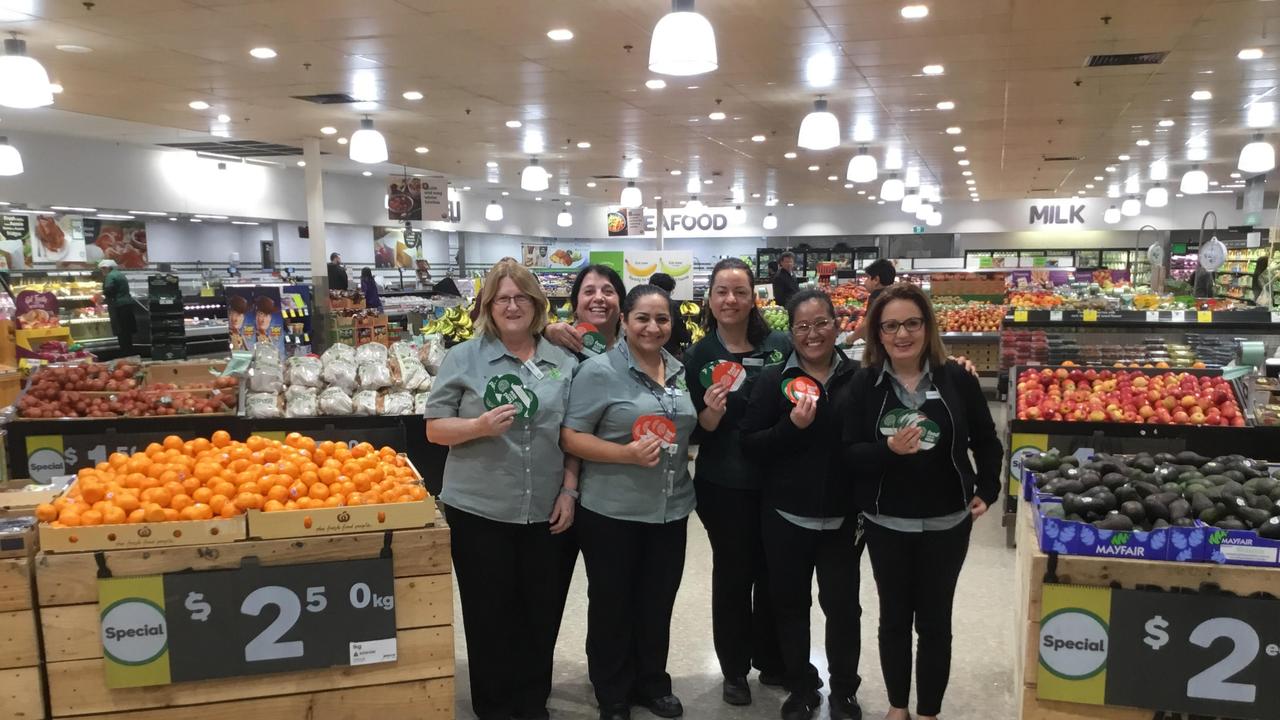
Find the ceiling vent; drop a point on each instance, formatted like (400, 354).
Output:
(1059, 158)
(1041, 190)
(606, 177)
(238, 148)
(1118, 59)
(327, 98)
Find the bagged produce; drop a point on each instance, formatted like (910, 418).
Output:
(407, 373)
(432, 353)
(266, 379)
(335, 401)
(420, 402)
(262, 405)
(371, 353)
(339, 352)
(404, 349)
(301, 402)
(397, 403)
(374, 376)
(365, 402)
(340, 374)
(304, 371)
(266, 355)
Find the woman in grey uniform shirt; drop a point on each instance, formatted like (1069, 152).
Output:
(498, 404)
(635, 505)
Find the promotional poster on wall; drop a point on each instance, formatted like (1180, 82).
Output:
(392, 248)
(642, 264)
(254, 316)
(124, 242)
(557, 256)
(404, 198)
(58, 239)
(15, 242)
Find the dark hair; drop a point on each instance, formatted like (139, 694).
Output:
(239, 303)
(805, 296)
(1259, 274)
(333, 256)
(604, 271)
(757, 328)
(366, 274)
(642, 291)
(882, 270)
(773, 266)
(785, 255)
(874, 355)
(664, 281)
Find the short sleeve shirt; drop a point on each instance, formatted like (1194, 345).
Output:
(515, 477)
(609, 394)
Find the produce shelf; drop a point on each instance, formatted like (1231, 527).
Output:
(1227, 319)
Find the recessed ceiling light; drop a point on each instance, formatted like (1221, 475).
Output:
(1202, 95)
(583, 145)
(1122, 158)
(263, 53)
(915, 12)
(1235, 175)
(198, 105)
(539, 198)
(757, 138)
(560, 34)
(967, 173)
(422, 150)
(194, 220)
(1165, 123)
(849, 186)
(962, 163)
(1249, 54)
(813, 168)
(302, 163)
(505, 193)
(708, 181)
(974, 199)
(79, 49)
(514, 123)
(591, 184)
(1213, 183)
(971, 181)
(959, 148)
(329, 130)
(676, 172)
(342, 141)
(832, 178)
(365, 105)
(491, 164)
(224, 118)
(755, 195)
(1098, 177)
(657, 197)
(946, 105)
(1143, 142)
(692, 87)
(655, 84)
(55, 88)
(953, 130)
(366, 173)
(1110, 168)
(933, 69)
(716, 115)
(411, 95)
(871, 197)
(789, 155)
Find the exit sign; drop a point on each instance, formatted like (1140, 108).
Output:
(917, 229)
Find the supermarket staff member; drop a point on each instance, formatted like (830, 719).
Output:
(636, 500)
(115, 293)
(728, 483)
(784, 283)
(919, 492)
(880, 275)
(508, 492)
(809, 521)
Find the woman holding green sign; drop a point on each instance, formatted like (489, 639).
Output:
(911, 420)
(498, 403)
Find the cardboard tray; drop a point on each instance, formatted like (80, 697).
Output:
(13, 496)
(17, 542)
(1068, 537)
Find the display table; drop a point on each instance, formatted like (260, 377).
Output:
(21, 681)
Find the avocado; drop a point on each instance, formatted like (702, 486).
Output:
(1244, 468)
(1145, 463)
(1144, 489)
(1187, 457)
(1071, 460)
(1155, 509)
(1214, 493)
(1115, 521)
(1114, 480)
(1200, 501)
(1171, 487)
(1261, 502)
(1261, 485)
(1179, 509)
(1161, 523)
(1274, 494)
(1213, 467)
(1234, 475)
(1216, 480)
(1110, 466)
(1232, 490)
(1133, 472)
(1126, 493)
(1184, 522)
(1211, 515)
(1252, 517)
(1090, 479)
(1192, 488)
(1270, 529)
(1161, 458)
(1134, 511)
(1230, 523)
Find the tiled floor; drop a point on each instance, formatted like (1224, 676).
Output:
(982, 661)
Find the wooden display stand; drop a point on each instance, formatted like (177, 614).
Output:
(419, 684)
(21, 679)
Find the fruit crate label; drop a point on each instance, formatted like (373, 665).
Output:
(1020, 316)
(199, 625)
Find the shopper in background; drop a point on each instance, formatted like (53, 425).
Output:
(636, 500)
(369, 289)
(1261, 283)
(784, 283)
(337, 273)
(880, 275)
(679, 333)
(772, 267)
(1202, 283)
(809, 521)
(917, 488)
(508, 492)
(595, 298)
(728, 483)
(119, 301)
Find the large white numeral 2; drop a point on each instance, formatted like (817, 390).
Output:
(1212, 683)
(267, 645)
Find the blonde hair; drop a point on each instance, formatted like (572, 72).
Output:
(525, 281)
(875, 355)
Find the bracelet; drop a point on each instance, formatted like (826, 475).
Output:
(570, 492)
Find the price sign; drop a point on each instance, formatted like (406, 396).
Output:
(1153, 316)
(1204, 316)
(1055, 316)
(178, 627)
(1275, 317)
(1178, 316)
(1019, 315)
(1201, 654)
(1091, 316)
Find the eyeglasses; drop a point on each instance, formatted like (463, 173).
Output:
(912, 325)
(819, 325)
(522, 301)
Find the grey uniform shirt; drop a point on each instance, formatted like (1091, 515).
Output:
(516, 476)
(609, 393)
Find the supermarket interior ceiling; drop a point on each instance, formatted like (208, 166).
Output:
(1033, 118)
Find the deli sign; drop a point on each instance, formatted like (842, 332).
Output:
(1055, 214)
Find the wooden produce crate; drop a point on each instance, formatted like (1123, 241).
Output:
(182, 372)
(341, 520)
(21, 681)
(418, 685)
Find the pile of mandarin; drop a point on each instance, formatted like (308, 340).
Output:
(214, 477)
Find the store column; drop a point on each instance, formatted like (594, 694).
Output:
(660, 239)
(313, 183)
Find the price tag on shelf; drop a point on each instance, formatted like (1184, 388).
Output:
(1055, 316)
(1090, 316)
(1153, 316)
(178, 627)
(1019, 315)
(1204, 316)
(1178, 316)
(1275, 317)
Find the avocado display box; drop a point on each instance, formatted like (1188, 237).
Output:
(1205, 543)
(1068, 537)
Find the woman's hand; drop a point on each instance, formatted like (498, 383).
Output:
(965, 363)
(646, 451)
(562, 514)
(497, 421)
(564, 335)
(977, 507)
(906, 441)
(805, 409)
(717, 398)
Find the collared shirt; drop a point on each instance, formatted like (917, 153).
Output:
(911, 399)
(609, 393)
(813, 523)
(516, 476)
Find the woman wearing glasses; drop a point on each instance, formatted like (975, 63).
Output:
(911, 420)
(728, 483)
(807, 519)
(498, 404)
(629, 419)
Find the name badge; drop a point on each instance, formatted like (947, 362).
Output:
(753, 362)
(533, 369)
(932, 395)
(674, 391)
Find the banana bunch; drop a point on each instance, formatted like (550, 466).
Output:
(455, 324)
(695, 331)
(690, 309)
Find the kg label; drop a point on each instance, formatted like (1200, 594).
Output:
(134, 632)
(1073, 644)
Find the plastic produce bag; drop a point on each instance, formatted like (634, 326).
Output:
(296, 391)
(304, 371)
(262, 405)
(266, 379)
(420, 403)
(365, 402)
(397, 403)
(266, 355)
(407, 373)
(371, 353)
(340, 374)
(335, 401)
(339, 352)
(404, 349)
(432, 353)
(301, 402)
(374, 376)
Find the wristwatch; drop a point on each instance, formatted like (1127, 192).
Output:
(570, 492)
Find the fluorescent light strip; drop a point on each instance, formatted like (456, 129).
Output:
(64, 208)
(148, 212)
(212, 217)
(242, 222)
(36, 212)
(106, 216)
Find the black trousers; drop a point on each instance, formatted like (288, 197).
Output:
(916, 575)
(566, 560)
(794, 554)
(633, 573)
(742, 618)
(124, 324)
(508, 583)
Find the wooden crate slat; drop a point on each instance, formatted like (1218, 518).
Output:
(429, 699)
(20, 694)
(71, 631)
(15, 584)
(18, 644)
(71, 578)
(1034, 708)
(79, 686)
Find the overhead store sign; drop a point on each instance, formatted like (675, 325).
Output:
(675, 223)
(687, 222)
(1056, 214)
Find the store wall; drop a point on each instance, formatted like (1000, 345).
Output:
(1054, 241)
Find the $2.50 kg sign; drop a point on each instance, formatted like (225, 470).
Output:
(1203, 654)
(185, 626)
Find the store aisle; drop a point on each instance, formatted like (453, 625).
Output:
(982, 665)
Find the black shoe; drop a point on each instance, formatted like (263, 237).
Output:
(801, 706)
(615, 712)
(535, 715)
(667, 706)
(737, 691)
(845, 708)
(772, 679)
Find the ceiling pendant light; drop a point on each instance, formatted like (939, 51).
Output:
(10, 159)
(1257, 157)
(923, 211)
(631, 196)
(862, 167)
(770, 222)
(1157, 196)
(910, 203)
(493, 212)
(564, 219)
(684, 43)
(1194, 182)
(1131, 206)
(1160, 170)
(893, 189)
(1111, 216)
(533, 178)
(820, 130)
(934, 219)
(739, 215)
(913, 178)
(367, 145)
(24, 84)
(694, 203)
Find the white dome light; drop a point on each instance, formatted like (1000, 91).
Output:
(924, 211)
(862, 167)
(684, 43)
(24, 84)
(915, 12)
(10, 159)
(493, 211)
(1159, 171)
(820, 69)
(367, 145)
(910, 203)
(564, 219)
(1112, 215)
(1131, 207)
(631, 196)
(770, 222)
(1194, 182)
(934, 219)
(893, 189)
(1257, 157)
(263, 53)
(820, 130)
(1157, 196)
(913, 177)
(533, 178)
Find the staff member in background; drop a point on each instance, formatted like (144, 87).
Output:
(880, 275)
(636, 500)
(918, 490)
(808, 520)
(337, 273)
(508, 492)
(679, 333)
(1261, 282)
(784, 283)
(119, 301)
(369, 289)
(728, 483)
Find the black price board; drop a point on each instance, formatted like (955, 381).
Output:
(14, 227)
(195, 625)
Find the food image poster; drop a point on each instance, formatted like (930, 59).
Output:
(58, 239)
(559, 256)
(392, 250)
(15, 242)
(404, 198)
(254, 316)
(124, 242)
(640, 265)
